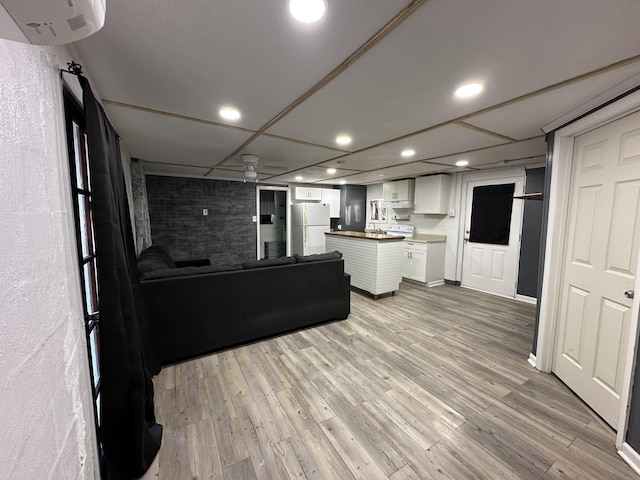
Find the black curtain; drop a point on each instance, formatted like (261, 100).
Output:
(129, 434)
(491, 214)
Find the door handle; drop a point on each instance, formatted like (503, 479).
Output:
(629, 293)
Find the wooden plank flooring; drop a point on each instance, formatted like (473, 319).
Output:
(428, 384)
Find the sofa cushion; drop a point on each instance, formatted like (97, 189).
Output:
(154, 258)
(317, 257)
(188, 271)
(267, 262)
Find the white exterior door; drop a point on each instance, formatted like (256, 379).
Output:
(600, 264)
(490, 267)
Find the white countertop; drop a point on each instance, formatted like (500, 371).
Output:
(418, 237)
(427, 238)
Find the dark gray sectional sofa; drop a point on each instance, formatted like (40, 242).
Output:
(197, 308)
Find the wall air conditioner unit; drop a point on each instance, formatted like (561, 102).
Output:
(51, 22)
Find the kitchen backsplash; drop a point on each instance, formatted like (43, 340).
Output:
(440, 224)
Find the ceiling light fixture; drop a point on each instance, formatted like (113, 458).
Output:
(307, 11)
(408, 153)
(462, 163)
(299, 178)
(342, 182)
(331, 171)
(469, 90)
(343, 139)
(229, 113)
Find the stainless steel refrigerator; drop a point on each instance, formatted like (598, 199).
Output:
(309, 222)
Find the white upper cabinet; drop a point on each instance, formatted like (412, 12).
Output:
(398, 194)
(332, 198)
(432, 194)
(307, 194)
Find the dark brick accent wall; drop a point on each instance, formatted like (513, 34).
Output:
(226, 235)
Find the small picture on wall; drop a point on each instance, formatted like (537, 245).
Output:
(378, 212)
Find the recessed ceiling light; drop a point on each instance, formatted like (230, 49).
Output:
(408, 153)
(307, 11)
(343, 139)
(469, 90)
(462, 163)
(342, 182)
(331, 171)
(229, 113)
(381, 174)
(299, 177)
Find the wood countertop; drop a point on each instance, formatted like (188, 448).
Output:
(381, 237)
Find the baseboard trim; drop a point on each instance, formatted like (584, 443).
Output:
(527, 299)
(532, 360)
(630, 456)
(455, 283)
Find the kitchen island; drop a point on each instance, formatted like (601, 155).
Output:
(374, 260)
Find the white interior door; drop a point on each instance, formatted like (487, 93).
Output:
(492, 267)
(600, 264)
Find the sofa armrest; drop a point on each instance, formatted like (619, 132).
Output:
(199, 262)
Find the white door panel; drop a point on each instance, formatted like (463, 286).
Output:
(600, 261)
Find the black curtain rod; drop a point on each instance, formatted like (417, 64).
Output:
(73, 68)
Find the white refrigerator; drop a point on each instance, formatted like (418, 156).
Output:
(309, 222)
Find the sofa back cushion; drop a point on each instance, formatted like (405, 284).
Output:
(154, 258)
(187, 271)
(317, 257)
(267, 262)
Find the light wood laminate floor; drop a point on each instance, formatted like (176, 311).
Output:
(428, 384)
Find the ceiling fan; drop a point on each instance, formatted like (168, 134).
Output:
(250, 163)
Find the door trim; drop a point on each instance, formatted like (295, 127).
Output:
(288, 219)
(562, 159)
(630, 456)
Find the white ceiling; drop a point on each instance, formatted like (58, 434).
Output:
(383, 71)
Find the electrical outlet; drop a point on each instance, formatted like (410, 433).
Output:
(254, 219)
(452, 212)
(205, 211)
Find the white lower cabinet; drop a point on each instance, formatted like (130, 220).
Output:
(415, 262)
(424, 262)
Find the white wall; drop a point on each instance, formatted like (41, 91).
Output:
(426, 224)
(46, 415)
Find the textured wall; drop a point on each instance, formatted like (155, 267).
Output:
(46, 423)
(226, 235)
